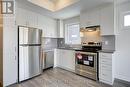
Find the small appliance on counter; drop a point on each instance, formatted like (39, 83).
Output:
(87, 61)
(29, 53)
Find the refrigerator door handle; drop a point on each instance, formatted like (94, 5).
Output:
(45, 60)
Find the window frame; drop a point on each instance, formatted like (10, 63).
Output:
(123, 20)
(66, 33)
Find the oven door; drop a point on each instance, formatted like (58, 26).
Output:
(86, 64)
(87, 59)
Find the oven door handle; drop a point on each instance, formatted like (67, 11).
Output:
(90, 53)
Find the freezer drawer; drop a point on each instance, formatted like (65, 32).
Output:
(29, 62)
(48, 59)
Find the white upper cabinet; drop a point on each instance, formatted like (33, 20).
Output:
(26, 18)
(107, 20)
(90, 18)
(21, 17)
(60, 30)
(31, 19)
(48, 25)
(103, 16)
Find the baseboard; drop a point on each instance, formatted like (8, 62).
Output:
(122, 81)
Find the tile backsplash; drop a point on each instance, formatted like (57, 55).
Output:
(108, 42)
(91, 37)
(49, 43)
(61, 42)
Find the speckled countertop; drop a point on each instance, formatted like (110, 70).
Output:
(106, 51)
(103, 50)
(69, 48)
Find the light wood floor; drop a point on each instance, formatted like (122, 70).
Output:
(61, 78)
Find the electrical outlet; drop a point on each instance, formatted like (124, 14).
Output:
(61, 42)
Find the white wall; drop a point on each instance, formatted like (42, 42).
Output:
(72, 20)
(122, 60)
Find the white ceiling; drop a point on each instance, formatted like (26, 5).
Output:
(53, 5)
(67, 12)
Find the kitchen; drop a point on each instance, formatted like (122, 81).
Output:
(79, 40)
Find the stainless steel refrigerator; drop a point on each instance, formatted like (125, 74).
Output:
(29, 52)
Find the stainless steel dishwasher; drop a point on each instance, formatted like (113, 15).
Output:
(48, 59)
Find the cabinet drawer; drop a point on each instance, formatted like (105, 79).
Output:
(105, 67)
(106, 61)
(106, 75)
(105, 55)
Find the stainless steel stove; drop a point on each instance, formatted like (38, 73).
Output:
(87, 61)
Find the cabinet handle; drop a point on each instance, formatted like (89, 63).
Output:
(104, 74)
(104, 61)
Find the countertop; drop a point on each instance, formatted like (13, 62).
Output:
(47, 50)
(69, 48)
(106, 51)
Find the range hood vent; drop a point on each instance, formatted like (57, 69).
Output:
(91, 28)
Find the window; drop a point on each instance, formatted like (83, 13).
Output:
(72, 34)
(126, 20)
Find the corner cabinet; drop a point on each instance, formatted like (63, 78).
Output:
(106, 68)
(107, 20)
(65, 59)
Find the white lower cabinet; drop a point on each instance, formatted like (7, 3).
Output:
(106, 68)
(65, 59)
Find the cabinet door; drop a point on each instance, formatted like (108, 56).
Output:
(93, 18)
(90, 18)
(62, 58)
(107, 20)
(9, 51)
(21, 17)
(67, 59)
(70, 59)
(58, 60)
(32, 20)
